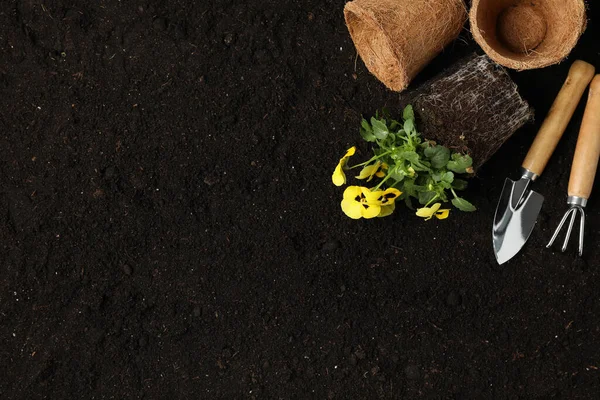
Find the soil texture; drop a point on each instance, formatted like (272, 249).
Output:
(169, 229)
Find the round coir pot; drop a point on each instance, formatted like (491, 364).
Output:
(527, 34)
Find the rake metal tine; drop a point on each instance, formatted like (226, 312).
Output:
(570, 229)
(572, 212)
(558, 229)
(581, 231)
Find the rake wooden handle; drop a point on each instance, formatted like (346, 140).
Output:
(585, 161)
(553, 127)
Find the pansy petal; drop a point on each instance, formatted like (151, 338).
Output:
(389, 196)
(339, 177)
(350, 152)
(387, 210)
(368, 171)
(428, 212)
(352, 208)
(373, 197)
(371, 211)
(424, 212)
(442, 214)
(352, 192)
(381, 171)
(378, 172)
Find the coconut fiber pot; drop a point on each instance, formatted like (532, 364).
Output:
(527, 34)
(397, 38)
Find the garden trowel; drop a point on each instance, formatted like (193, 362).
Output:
(519, 206)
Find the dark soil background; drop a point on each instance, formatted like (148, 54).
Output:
(169, 228)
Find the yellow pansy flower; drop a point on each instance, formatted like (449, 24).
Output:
(359, 202)
(434, 210)
(339, 177)
(372, 170)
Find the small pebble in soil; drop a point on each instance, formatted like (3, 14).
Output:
(228, 38)
(412, 372)
(127, 269)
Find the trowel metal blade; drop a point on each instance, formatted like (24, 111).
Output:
(515, 218)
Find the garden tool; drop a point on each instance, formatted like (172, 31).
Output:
(583, 170)
(519, 206)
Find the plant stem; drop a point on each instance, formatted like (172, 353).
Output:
(432, 200)
(370, 160)
(387, 176)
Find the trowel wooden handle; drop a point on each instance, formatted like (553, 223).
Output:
(585, 161)
(553, 127)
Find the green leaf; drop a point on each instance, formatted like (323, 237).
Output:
(463, 205)
(380, 130)
(409, 188)
(444, 180)
(459, 184)
(397, 175)
(408, 203)
(460, 163)
(439, 156)
(421, 166)
(367, 136)
(378, 151)
(365, 125)
(411, 156)
(409, 126)
(408, 113)
(426, 197)
(448, 177)
(366, 131)
(443, 196)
